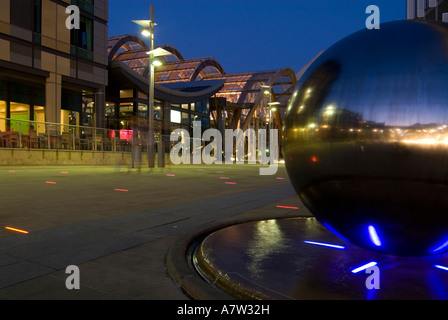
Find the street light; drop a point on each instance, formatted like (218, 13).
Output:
(272, 107)
(148, 31)
(159, 52)
(157, 63)
(267, 92)
(154, 61)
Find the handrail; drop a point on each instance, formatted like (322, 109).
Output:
(50, 135)
(57, 124)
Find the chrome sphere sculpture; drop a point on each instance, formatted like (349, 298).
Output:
(366, 138)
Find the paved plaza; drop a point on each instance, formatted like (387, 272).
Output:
(118, 224)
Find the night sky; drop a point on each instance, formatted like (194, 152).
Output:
(251, 35)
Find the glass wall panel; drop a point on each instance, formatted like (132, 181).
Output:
(158, 113)
(128, 93)
(202, 107)
(111, 115)
(21, 113)
(2, 115)
(81, 39)
(142, 95)
(86, 5)
(205, 122)
(69, 118)
(86, 34)
(185, 118)
(3, 88)
(142, 110)
(20, 93)
(39, 96)
(39, 117)
(70, 101)
(126, 109)
(38, 16)
(176, 117)
(110, 109)
(88, 111)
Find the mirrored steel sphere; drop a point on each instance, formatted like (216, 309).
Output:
(366, 138)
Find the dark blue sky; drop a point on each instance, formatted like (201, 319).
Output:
(251, 35)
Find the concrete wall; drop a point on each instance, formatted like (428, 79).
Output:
(25, 157)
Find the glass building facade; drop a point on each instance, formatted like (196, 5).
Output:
(240, 102)
(81, 78)
(49, 73)
(21, 102)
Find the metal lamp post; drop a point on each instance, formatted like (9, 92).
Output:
(148, 31)
(272, 107)
(267, 92)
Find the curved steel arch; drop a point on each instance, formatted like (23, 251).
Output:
(122, 42)
(282, 73)
(173, 51)
(207, 63)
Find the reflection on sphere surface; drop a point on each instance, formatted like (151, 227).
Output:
(366, 138)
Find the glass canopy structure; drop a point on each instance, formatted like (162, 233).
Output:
(243, 101)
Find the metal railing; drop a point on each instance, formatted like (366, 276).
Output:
(25, 134)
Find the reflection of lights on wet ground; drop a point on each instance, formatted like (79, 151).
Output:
(444, 245)
(441, 267)
(122, 190)
(267, 240)
(16, 230)
(364, 267)
(286, 207)
(273, 255)
(50, 182)
(374, 236)
(329, 245)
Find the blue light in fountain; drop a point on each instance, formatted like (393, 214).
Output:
(441, 267)
(365, 267)
(373, 235)
(328, 245)
(440, 247)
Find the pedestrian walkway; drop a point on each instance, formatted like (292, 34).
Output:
(117, 225)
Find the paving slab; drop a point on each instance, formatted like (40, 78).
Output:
(118, 239)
